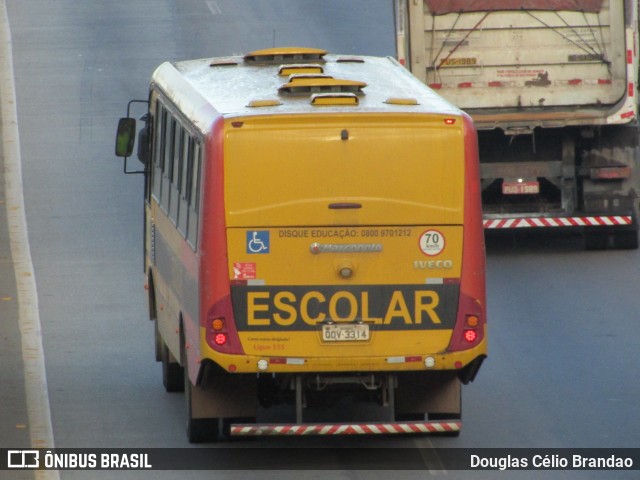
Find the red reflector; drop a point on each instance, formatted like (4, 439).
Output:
(610, 173)
(470, 335)
(220, 338)
(435, 86)
(575, 81)
(278, 360)
(413, 359)
(465, 85)
(496, 84)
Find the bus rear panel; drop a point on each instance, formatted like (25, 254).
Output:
(332, 265)
(313, 233)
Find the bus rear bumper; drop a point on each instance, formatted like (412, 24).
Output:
(329, 429)
(467, 362)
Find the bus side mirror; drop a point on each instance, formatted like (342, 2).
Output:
(126, 137)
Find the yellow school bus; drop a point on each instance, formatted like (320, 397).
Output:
(313, 230)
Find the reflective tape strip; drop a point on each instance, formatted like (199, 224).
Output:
(513, 84)
(346, 428)
(544, 222)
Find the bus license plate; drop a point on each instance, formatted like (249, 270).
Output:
(345, 333)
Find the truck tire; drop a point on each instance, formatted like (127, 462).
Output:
(595, 239)
(626, 240)
(619, 239)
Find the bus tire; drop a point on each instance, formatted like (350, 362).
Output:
(199, 430)
(172, 372)
(158, 341)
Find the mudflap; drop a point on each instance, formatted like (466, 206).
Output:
(216, 402)
(433, 396)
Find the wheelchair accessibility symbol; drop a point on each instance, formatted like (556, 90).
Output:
(258, 241)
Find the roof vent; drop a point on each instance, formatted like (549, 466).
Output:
(285, 55)
(350, 60)
(268, 102)
(300, 68)
(401, 101)
(307, 76)
(305, 86)
(223, 62)
(329, 99)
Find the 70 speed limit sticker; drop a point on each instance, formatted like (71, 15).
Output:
(432, 243)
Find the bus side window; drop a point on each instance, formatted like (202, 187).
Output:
(183, 202)
(175, 174)
(194, 196)
(159, 146)
(167, 175)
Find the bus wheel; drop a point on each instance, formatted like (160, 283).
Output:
(158, 342)
(199, 430)
(172, 372)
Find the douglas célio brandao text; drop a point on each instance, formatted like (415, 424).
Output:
(551, 462)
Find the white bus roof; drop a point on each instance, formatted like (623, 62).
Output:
(289, 81)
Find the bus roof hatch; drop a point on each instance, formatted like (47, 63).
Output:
(285, 54)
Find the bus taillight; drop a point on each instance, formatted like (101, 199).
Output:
(469, 329)
(470, 335)
(219, 333)
(220, 338)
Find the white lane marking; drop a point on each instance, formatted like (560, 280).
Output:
(429, 454)
(213, 7)
(36, 391)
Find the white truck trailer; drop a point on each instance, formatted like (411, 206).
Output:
(552, 87)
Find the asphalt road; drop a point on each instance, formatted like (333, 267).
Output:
(564, 323)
